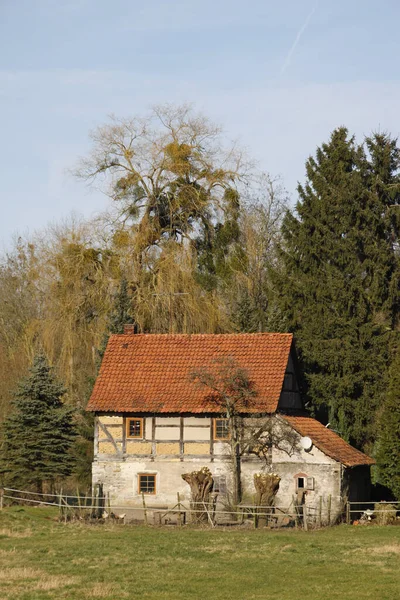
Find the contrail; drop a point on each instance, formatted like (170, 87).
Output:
(297, 39)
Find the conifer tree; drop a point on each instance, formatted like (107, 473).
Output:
(388, 452)
(39, 433)
(339, 288)
(120, 315)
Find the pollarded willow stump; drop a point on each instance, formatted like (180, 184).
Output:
(267, 486)
(201, 485)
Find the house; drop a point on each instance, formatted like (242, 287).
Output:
(152, 423)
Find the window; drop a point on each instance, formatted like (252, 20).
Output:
(134, 428)
(304, 483)
(219, 484)
(221, 429)
(288, 382)
(147, 483)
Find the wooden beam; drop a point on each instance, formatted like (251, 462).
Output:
(153, 438)
(181, 440)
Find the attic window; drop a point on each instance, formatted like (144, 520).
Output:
(288, 382)
(134, 428)
(221, 429)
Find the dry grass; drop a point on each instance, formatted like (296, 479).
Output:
(55, 582)
(15, 533)
(18, 574)
(99, 590)
(387, 549)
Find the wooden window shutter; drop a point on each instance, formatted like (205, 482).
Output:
(310, 483)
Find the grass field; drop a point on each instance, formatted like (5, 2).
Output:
(42, 559)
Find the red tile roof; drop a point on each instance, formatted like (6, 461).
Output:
(150, 372)
(328, 441)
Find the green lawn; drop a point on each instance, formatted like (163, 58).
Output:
(41, 559)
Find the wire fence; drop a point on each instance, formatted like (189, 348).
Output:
(100, 507)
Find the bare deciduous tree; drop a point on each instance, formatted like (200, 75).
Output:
(231, 389)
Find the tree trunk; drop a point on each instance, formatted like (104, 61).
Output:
(235, 425)
(201, 485)
(267, 486)
(237, 475)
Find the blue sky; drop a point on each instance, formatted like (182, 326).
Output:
(279, 75)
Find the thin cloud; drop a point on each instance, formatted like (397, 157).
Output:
(297, 38)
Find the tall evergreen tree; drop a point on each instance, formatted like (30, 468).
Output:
(39, 433)
(120, 315)
(339, 288)
(388, 446)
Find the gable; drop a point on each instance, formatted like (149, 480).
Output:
(290, 398)
(149, 373)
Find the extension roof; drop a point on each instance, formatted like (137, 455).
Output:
(151, 372)
(328, 441)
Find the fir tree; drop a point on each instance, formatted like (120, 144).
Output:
(39, 433)
(388, 447)
(120, 315)
(218, 247)
(338, 289)
(244, 314)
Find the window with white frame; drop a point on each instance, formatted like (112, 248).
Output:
(219, 484)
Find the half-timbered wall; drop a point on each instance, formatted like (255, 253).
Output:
(173, 445)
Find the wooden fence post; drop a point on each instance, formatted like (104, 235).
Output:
(320, 512)
(60, 509)
(348, 513)
(305, 523)
(1, 499)
(179, 509)
(144, 509)
(329, 508)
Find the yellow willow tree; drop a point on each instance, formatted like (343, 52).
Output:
(165, 293)
(20, 307)
(55, 294)
(80, 276)
(170, 299)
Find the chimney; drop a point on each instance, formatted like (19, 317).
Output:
(129, 329)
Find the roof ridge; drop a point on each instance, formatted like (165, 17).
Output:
(197, 335)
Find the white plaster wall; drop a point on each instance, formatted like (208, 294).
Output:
(148, 425)
(167, 433)
(168, 421)
(197, 421)
(196, 434)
